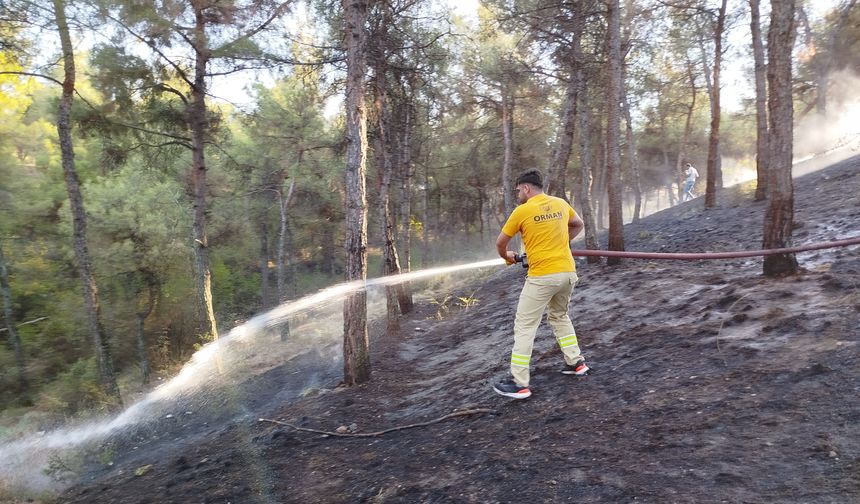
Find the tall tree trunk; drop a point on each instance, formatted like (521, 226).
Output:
(667, 165)
(14, 338)
(761, 156)
(406, 174)
(779, 216)
(613, 130)
(207, 327)
(664, 150)
(688, 128)
(99, 337)
(630, 10)
(356, 348)
(404, 290)
(817, 62)
(631, 153)
(583, 109)
(425, 219)
(384, 164)
(152, 287)
(598, 189)
(507, 113)
(284, 198)
(714, 171)
(263, 261)
(586, 168)
(554, 182)
(390, 261)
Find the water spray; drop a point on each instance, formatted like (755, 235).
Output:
(22, 461)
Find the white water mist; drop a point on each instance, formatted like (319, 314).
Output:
(22, 462)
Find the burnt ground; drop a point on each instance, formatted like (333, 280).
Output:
(710, 383)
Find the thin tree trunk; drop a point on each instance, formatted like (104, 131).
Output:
(14, 338)
(667, 165)
(382, 149)
(406, 174)
(688, 128)
(425, 216)
(630, 10)
(284, 198)
(152, 285)
(356, 348)
(554, 182)
(263, 261)
(404, 290)
(207, 327)
(507, 113)
(818, 63)
(583, 114)
(761, 158)
(779, 216)
(586, 168)
(613, 130)
(283, 231)
(631, 155)
(390, 261)
(714, 173)
(99, 337)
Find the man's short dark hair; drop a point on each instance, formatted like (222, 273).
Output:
(533, 177)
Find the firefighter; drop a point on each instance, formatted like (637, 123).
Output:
(547, 224)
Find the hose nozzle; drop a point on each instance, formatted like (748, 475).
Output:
(522, 258)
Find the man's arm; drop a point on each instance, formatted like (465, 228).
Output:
(574, 226)
(502, 248)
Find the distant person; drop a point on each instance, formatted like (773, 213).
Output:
(547, 224)
(692, 174)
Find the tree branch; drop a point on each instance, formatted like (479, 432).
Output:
(24, 323)
(155, 49)
(276, 13)
(379, 433)
(30, 74)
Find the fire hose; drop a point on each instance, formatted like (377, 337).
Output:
(705, 255)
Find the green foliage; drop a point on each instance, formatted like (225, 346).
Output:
(63, 468)
(74, 390)
(447, 301)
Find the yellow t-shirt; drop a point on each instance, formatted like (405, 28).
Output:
(542, 220)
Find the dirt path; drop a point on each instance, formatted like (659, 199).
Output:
(710, 384)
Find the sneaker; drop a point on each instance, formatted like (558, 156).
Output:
(509, 388)
(578, 369)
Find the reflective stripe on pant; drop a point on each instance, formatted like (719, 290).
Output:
(550, 293)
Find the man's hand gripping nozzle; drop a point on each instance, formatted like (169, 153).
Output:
(521, 258)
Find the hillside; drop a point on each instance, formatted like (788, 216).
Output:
(710, 384)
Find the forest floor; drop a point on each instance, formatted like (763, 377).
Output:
(710, 383)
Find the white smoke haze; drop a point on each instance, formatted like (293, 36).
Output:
(834, 134)
(820, 140)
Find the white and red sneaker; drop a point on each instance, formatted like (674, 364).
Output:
(578, 369)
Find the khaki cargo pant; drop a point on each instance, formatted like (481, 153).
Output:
(550, 293)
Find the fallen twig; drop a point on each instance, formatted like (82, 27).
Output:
(634, 359)
(379, 433)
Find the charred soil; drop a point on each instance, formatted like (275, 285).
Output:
(710, 383)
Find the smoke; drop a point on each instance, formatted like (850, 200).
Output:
(832, 135)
